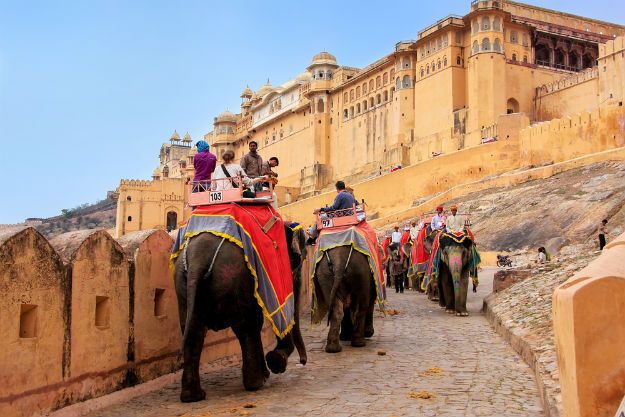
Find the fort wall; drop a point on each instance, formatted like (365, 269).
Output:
(588, 312)
(85, 315)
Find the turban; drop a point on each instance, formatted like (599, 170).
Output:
(202, 146)
(453, 207)
(439, 208)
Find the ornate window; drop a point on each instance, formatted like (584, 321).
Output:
(496, 24)
(513, 57)
(458, 60)
(525, 40)
(497, 45)
(385, 78)
(438, 64)
(474, 27)
(358, 92)
(398, 81)
(485, 44)
(345, 97)
(364, 89)
(370, 85)
(514, 37)
(351, 94)
(485, 23)
(378, 81)
(445, 61)
(406, 81)
(476, 48)
(525, 59)
(385, 95)
(406, 62)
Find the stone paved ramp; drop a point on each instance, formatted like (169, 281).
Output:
(481, 375)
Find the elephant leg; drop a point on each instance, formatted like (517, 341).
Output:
(278, 358)
(347, 327)
(299, 341)
(191, 350)
(358, 334)
(369, 330)
(333, 345)
(254, 368)
(461, 288)
(449, 295)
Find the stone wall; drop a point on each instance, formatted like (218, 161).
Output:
(588, 317)
(571, 94)
(84, 315)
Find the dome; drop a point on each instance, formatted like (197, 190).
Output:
(187, 138)
(247, 92)
(175, 136)
(226, 117)
(265, 89)
(156, 172)
(323, 58)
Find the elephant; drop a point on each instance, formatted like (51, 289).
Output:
(345, 289)
(453, 276)
(429, 236)
(224, 297)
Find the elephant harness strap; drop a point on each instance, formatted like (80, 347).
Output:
(349, 257)
(210, 268)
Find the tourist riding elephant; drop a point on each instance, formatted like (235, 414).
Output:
(345, 290)
(224, 297)
(456, 262)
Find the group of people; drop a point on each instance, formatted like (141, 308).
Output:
(252, 169)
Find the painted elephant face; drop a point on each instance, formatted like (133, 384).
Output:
(457, 257)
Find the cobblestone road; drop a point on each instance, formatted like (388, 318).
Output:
(472, 372)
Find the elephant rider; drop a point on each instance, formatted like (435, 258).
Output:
(438, 221)
(344, 200)
(395, 238)
(414, 231)
(455, 222)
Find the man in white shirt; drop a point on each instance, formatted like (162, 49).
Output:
(455, 222)
(438, 221)
(414, 231)
(395, 238)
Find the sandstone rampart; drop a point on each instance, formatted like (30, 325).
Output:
(85, 315)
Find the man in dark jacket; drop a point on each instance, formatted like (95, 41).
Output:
(252, 162)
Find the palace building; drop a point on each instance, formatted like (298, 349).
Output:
(441, 93)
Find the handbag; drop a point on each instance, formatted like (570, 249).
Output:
(235, 184)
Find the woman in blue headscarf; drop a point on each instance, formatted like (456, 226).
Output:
(204, 163)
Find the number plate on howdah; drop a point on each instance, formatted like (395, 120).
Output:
(215, 196)
(326, 222)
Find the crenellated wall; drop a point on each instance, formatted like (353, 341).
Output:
(85, 315)
(573, 93)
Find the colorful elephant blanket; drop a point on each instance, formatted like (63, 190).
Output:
(258, 230)
(361, 238)
(433, 268)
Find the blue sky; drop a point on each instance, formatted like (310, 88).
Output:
(90, 89)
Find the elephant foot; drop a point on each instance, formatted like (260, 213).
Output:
(462, 314)
(333, 347)
(359, 342)
(276, 362)
(369, 331)
(450, 311)
(191, 396)
(266, 372)
(303, 361)
(345, 337)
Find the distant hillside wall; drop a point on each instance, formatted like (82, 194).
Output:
(573, 136)
(389, 192)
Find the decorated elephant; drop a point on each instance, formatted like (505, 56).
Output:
(345, 290)
(421, 263)
(216, 290)
(458, 260)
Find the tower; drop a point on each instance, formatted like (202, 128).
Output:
(224, 127)
(486, 67)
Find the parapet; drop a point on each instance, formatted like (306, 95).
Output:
(567, 81)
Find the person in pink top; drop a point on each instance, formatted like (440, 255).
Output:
(204, 163)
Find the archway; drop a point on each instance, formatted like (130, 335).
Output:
(172, 220)
(588, 61)
(512, 106)
(543, 55)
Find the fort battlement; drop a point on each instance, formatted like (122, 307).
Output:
(567, 81)
(136, 183)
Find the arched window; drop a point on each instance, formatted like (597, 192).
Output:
(371, 102)
(458, 60)
(406, 81)
(485, 44)
(525, 59)
(574, 60)
(525, 40)
(542, 54)
(514, 37)
(378, 81)
(321, 74)
(351, 111)
(392, 73)
(378, 99)
(351, 94)
(345, 97)
(439, 43)
(358, 92)
(364, 88)
(370, 85)
(588, 61)
(559, 58)
(445, 61)
(358, 108)
(364, 105)
(513, 57)
(385, 78)
(422, 74)
(474, 27)
(496, 24)
(485, 23)
(392, 92)
(427, 69)
(497, 45)
(438, 64)
(320, 106)
(172, 220)
(345, 115)
(385, 95)
(476, 47)
(512, 106)
(406, 62)
(398, 81)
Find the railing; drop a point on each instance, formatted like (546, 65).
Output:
(227, 190)
(438, 22)
(343, 217)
